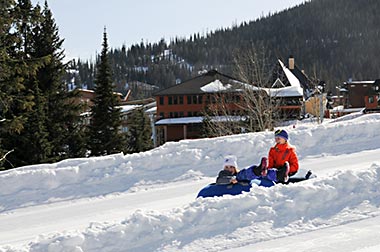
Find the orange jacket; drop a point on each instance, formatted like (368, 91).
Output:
(281, 153)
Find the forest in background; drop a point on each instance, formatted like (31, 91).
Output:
(332, 40)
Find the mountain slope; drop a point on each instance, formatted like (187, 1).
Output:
(333, 40)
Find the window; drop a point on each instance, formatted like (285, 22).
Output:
(175, 98)
(161, 100)
(176, 114)
(162, 115)
(170, 100)
(171, 115)
(193, 128)
(190, 114)
(371, 99)
(181, 100)
(181, 114)
(213, 99)
(208, 99)
(189, 99)
(195, 99)
(200, 99)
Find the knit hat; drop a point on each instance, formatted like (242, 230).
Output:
(281, 133)
(231, 161)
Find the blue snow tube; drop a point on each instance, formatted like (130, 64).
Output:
(213, 190)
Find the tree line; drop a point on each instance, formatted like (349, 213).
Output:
(40, 119)
(332, 40)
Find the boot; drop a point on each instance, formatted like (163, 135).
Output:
(262, 169)
(283, 173)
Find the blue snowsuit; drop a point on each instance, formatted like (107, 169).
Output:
(247, 174)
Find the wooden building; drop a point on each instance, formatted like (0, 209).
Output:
(361, 94)
(180, 108)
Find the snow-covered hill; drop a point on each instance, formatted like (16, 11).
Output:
(146, 201)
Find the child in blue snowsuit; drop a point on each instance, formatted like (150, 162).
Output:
(231, 174)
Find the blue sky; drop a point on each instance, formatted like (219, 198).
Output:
(81, 22)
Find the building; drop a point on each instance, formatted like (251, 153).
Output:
(149, 107)
(360, 94)
(296, 87)
(181, 108)
(290, 74)
(140, 90)
(357, 96)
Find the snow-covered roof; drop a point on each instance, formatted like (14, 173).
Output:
(278, 83)
(127, 108)
(359, 82)
(151, 110)
(197, 119)
(293, 80)
(341, 108)
(215, 86)
(290, 91)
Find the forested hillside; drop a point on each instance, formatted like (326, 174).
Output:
(332, 40)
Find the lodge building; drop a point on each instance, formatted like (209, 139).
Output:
(181, 108)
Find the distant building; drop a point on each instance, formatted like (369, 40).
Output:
(140, 90)
(180, 108)
(290, 74)
(360, 94)
(149, 107)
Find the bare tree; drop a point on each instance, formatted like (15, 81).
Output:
(4, 158)
(252, 66)
(259, 104)
(222, 116)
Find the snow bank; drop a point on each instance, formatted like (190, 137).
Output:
(215, 224)
(185, 160)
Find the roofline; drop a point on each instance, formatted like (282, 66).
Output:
(359, 82)
(199, 76)
(204, 93)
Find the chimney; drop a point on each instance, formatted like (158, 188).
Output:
(291, 62)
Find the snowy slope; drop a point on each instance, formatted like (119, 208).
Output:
(146, 201)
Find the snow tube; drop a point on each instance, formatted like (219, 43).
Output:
(213, 190)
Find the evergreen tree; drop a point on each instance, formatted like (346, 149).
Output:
(104, 129)
(62, 113)
(18, 86)
(33, 141)
(139, 136)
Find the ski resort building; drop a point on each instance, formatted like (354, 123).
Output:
(182, 109)
(358, 96)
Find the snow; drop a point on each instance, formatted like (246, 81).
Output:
(215, 86)
(292, 91)
(289, 91)
(151, 110)
(293, 80)
(146, 201)
(127, 108)
(197, 119)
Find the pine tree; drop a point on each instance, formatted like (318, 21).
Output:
(139, 136)
(18, 87)
(104, 129)
(62, 113)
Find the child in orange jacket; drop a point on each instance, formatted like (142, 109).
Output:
(283, 156)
